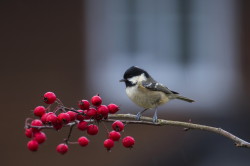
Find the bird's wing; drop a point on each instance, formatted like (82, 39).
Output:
(155, 86)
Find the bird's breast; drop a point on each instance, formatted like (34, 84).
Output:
(146, 98)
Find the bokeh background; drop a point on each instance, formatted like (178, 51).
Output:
(77, 49)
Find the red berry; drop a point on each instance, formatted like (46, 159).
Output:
(83, 141)
(83, 104)
(96, 100)
(44, 117)
(51, 118)
(91, 112)
(85, 114)
(63, 118)
(57, 126)
(62, 148)
(98, 117)
(40, 137)
(39, 111)
(80, 116)
(49, 98)
(128, 142)
(118, 125)
(114, 135)
(36, 122)
(103, 110)
(72, 115)
(32, 145)
(29, 132)
(92, 129)
(83, 125)
(113, 108)
(108, 143)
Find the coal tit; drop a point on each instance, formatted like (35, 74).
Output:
(144, 91)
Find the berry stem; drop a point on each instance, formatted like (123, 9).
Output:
(27, 124)
(40, 127)
(48, 108)
(69, 134)
(72, 143)
(71, 109)
(105, 127)
(59, 102)
(58, 108)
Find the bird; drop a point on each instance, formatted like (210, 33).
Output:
(147, 93)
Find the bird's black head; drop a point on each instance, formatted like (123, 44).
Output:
(133, 72)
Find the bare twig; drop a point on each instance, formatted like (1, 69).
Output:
(129, 118)
(70, 132)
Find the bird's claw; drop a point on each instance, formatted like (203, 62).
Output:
(138, 116)
(155, 118)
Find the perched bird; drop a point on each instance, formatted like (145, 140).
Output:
(144, 91)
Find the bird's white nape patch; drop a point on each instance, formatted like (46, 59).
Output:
(139, 78)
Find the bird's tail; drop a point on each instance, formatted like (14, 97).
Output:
(184, 99)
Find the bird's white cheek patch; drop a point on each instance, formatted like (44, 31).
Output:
(134, 79)
(139, 78)
(142, 77)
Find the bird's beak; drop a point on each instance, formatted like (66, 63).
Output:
(122, 80)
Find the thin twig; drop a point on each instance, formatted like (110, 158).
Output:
(70, 132)
(129, 118)
(107, 130)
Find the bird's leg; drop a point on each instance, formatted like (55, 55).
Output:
(139, 114)
(155, 118)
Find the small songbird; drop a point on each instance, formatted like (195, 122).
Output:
(144, 91)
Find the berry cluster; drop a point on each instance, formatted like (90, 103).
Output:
(86, 118)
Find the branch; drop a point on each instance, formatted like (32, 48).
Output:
(129, 118)
(92, 113)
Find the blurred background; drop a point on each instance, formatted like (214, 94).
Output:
(77, 49)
